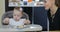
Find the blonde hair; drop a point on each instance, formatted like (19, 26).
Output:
(19, 9)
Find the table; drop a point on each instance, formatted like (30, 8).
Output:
(31, 27)
(54, 31)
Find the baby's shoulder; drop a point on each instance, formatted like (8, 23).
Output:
(11, 19)
(22, 19)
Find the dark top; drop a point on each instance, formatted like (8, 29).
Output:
(54, 20)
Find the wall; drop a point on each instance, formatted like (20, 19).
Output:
(2, 9)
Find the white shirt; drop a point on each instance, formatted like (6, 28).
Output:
(16, 23)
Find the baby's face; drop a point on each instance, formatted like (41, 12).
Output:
(17, 15)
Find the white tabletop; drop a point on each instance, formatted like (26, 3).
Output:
(28, 28)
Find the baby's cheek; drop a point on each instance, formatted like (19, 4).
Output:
(18, 18)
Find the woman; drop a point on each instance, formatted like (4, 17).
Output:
(53, 14)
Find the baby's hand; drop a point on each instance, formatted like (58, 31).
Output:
(26, 22)
(6, 21)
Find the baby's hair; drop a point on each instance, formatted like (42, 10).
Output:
(19, 9)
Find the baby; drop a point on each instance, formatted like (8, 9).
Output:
(17, 20)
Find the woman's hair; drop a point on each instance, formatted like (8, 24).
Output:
(57, 2)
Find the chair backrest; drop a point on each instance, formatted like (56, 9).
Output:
(10, 15)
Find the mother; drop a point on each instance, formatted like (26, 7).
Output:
(53, 13)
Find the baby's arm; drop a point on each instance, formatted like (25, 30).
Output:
(27, 22)
(6, 21)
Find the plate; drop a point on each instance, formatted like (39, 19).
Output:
(21, 27)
